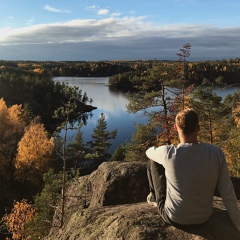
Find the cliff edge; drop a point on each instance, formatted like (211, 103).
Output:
(110, 204)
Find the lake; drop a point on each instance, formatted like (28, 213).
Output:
(112, 103)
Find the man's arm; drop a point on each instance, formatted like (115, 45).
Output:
(157, 154)
(226, 190)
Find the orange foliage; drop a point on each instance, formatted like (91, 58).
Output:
(22, 212)
(11, 126)
(236, 115)
(38, 70)
(35, 148)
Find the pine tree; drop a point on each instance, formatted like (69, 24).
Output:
(157, 101)
(211, 112)
(182, 68)
(72, 108)
(46, 203)
(77, 151)
(100, 139)
(119, 153)
(142, 139)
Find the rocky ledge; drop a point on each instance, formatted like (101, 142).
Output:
(110, 204)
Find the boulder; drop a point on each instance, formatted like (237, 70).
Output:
(110, 204)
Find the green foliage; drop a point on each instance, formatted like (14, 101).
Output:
(119, 153)
(77, 151)
(100, 139)
(142, 139)
(124, 80)
(45, 203)
(156, 101)
(211, 111)
(65, 113)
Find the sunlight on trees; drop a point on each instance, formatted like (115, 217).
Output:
(35, 148)
(12, 128)
(22, 212)
(210, 109)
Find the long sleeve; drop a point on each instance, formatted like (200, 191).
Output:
(157, 154)
(225, 188)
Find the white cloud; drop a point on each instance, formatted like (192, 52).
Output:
(51, 9)
(116, 38)
(103, 11)
(116, 14)
(56, 10)
(97, 9)
(93, 7)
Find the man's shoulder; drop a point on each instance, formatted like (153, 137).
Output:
(209, 145)
(212, 148)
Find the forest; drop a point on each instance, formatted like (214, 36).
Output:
(36, 114)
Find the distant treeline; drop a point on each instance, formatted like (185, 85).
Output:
(224, 72)
(75, 68)
(122, 73)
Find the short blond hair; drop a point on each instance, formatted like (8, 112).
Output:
(187, 120)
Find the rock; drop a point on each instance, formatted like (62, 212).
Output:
(110, 204)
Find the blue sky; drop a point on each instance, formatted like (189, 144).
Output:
(118, 30)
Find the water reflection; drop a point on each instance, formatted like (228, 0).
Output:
(112, 103)
(109, 101)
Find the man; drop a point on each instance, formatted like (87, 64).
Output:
(183, 178)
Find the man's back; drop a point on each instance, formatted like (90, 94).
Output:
(192, 172)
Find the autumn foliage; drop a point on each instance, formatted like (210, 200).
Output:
(22, 212)
(11, 127)
(35, 148)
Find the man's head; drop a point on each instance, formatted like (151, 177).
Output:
(187, 120)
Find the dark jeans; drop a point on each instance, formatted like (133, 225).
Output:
(158, 186)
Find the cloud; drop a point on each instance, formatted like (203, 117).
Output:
(116, 14)
(117, 38)
(56, 10)
(103, 11)
(93, 7)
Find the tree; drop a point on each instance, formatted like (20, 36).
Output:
(211, 112)
(22, 212)
(142, 139)
(182, 67)
(119, 153)
(230, 134)
(12, 126)
(35, 148)
(73, 107)
(157, 101)
(45, 204)
(34, 155)
(76, 151)
(100, 139)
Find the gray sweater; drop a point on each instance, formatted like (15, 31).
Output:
(193, 171)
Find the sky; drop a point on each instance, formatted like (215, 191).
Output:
(93, 30)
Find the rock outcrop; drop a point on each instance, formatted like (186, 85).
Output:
(110, 204)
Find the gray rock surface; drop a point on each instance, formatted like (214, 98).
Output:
(110, 204)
